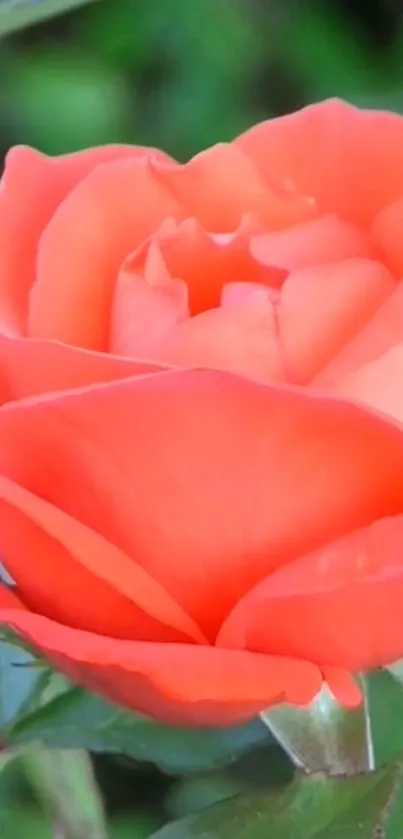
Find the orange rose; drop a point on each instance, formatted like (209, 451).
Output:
(201, 449)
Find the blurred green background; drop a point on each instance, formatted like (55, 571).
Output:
(181, 74)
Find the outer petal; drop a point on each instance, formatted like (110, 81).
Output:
(208, 480)
(29, 367)
(32, 187)
(101, 221)
(341, 605)
(9, 600)
(175, 683)
(72, 574)
(220, 185)
(349, 160)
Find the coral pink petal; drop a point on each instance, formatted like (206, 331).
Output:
(206, 262)
(382, 332)
(316, 242)
(322, 307)
(209, 481)
(378, 384)
(350, 160)
(100, 223)
(387, 233)
(32, 187)
(220, 185)
(31, 367)
(238, 338)
(174, 683)
(72, 574)
(144, 312)
(340, 605)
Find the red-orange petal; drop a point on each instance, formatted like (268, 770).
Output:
(174, 683)
(349, 160)
(340, 605)
(72, 574)
(100, 222)
(9, 599)
(209, 481)
(32, 187)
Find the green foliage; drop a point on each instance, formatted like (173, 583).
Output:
(313, 807)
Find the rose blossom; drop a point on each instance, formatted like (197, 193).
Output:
(201, 444)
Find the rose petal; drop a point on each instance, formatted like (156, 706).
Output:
(208, 480)
(174, 683)
(239, 338)
(340, 605)
(100, 222)
(378, 384)
(143, 312)
(321, 307)
(219, 185)
(349, 160)
(29, 367)
(343, 686)
(32, 187)
(380, 334)
(72, 574)
(387, 233)
(316, 242)
(205, 261)
(9, 599)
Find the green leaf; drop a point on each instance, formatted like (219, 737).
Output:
(312, 807)
(384, 700)
(77, 719)
(65, 783)
(17, 14)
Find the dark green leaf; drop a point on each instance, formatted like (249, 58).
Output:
(77, 719)
(384, 699)
(312, 807)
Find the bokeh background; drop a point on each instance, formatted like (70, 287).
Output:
(182, 74)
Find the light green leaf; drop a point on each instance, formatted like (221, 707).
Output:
(65, 783)
(312, 807)
(17, 14)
